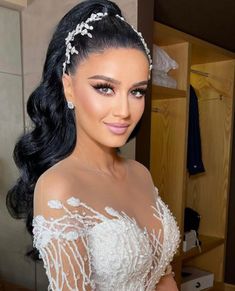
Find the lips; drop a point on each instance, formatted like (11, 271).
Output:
(117, 128)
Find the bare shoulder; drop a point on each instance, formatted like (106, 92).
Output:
(139, 168)
(142, 176)
(51, 181)
(56, 183)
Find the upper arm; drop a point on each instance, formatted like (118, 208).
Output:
(168, 283)
(60, 235)
(50, 186)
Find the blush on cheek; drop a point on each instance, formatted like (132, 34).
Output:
(91, 104)
(139, 110)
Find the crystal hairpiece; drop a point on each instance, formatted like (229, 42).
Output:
(84, 28)
(143, 42)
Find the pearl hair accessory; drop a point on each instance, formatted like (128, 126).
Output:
(84, 28)
(70, 105)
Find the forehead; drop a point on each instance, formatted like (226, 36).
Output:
(117, 63)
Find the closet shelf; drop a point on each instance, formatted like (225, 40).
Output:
(207, 243)
(159, 92)
(218, 286)
(201, 51)
(169, 143)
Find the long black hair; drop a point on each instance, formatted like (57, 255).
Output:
(53, 133)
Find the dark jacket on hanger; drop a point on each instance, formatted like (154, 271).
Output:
(194, 153)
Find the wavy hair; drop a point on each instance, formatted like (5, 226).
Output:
(53, 133)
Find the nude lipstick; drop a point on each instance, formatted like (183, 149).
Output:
(117, 128)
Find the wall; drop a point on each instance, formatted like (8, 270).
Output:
(14, 238)
(230, 250)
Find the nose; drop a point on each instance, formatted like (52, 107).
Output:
(121, 106)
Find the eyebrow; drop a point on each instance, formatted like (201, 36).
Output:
(111, 80)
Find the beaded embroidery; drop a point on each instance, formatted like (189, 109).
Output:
(120, 256)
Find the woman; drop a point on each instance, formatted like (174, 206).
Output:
(98, 221)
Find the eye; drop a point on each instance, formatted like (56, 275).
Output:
(104, 88)
(139, 92)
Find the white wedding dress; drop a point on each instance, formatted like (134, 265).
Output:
(119, 254)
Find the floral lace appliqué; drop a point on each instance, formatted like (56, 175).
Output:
(86, 248)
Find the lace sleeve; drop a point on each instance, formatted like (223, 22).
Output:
(172, 236)
(62, 245)
(60, 234)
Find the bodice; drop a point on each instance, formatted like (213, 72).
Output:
(86, 247)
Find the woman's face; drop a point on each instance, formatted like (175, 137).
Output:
(108, 91)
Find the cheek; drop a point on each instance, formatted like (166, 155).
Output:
(90, 105)
(138, 108)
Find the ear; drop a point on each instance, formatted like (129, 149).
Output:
(68, 87)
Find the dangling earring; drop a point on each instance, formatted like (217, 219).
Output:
(70, 105)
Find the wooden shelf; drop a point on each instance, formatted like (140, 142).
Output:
(208, 193)
(159, 92)
(207, 243)
(202, 51)
(220, 286)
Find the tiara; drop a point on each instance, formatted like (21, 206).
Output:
(84, 28)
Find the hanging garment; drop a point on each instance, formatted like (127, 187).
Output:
(162, 64)
(194, 153)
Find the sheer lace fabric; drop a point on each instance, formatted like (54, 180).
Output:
(83, 249)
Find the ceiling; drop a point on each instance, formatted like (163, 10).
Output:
(210, 20)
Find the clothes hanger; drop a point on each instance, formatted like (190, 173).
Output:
(210, 85)
(204, 81)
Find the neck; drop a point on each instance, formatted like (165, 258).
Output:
(91, 155)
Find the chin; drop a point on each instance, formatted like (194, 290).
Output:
(118, 143)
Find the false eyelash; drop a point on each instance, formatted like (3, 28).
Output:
(142, 91)
(110, 86)
(102, 85)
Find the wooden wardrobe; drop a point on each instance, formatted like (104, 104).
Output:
(210, 70)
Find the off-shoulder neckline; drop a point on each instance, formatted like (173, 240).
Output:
(116, 215)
